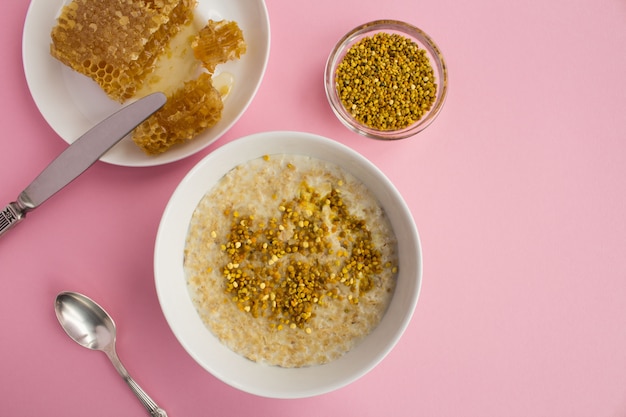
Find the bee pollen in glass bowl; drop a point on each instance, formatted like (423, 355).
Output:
(386, 81)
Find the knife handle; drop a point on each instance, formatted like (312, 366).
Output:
(11, 215)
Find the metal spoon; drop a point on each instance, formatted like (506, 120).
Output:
(90, 326)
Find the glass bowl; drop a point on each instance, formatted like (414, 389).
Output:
(369, 30)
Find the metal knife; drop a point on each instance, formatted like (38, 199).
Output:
(79, 156)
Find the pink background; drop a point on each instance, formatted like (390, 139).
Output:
(517, 190)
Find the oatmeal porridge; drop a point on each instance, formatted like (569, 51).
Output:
(290, 260)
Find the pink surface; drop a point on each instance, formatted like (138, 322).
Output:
(517, 190)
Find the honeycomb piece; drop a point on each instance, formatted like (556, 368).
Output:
(190, 110)
(116, 42)
(217, 43)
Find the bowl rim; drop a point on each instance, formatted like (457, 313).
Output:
(390, 26)
(185, 323)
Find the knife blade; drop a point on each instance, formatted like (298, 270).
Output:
(79, 156)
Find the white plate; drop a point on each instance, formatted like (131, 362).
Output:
(72, 103)
(204, 347)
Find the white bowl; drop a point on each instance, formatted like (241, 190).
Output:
(205, 348)
(72, 103)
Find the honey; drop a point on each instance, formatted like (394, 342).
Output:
(217, 43)
(132, 48)
(117, 42)
(190, 110)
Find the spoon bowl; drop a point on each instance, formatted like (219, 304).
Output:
(90, 326)
(84, 321)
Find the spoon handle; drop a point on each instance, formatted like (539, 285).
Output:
(151, 406)
(148, 403)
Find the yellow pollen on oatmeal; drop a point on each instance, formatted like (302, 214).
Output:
(303, 258)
